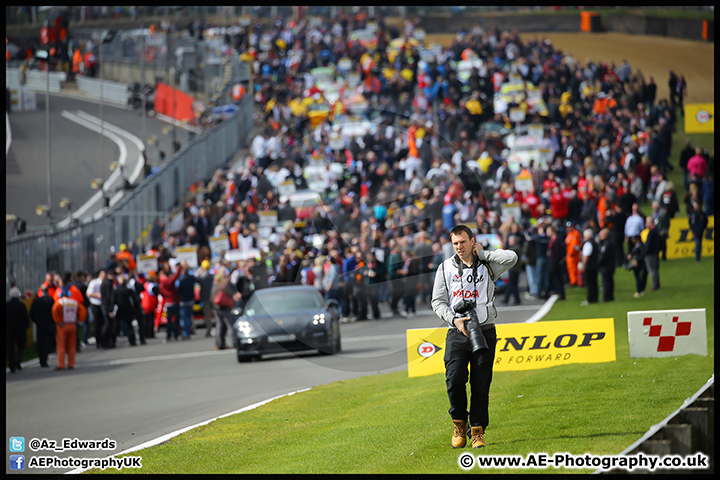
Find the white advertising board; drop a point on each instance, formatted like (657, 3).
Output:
(189, 254)
(147, 263)
(219, 244)
(667, 333)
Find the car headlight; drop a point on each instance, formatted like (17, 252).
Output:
(319, 319)
(244, 327)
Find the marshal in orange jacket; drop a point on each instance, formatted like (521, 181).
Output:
(57, 312)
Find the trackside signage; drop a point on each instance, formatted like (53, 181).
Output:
(522, 346)
(667, 333)
(680, 243)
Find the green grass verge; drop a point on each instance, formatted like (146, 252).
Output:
(395, 424)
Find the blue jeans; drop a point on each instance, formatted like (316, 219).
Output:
(698, 247)
(335, 294)
(531, 273)
(709, 207)
(541, 271)
(186, 317)
(383, 292)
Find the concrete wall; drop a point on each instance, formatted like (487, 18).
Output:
(687, 28)
(521, 23)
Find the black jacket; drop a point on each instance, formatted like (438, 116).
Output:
(556, 253)
(637, 253)
(591, 264)
(652, 242)
(41, 312)
(106, 294)
(607, 256)
(698, 222)
(16, 316)
(122, 297)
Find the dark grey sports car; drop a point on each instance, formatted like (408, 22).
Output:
(287, 319)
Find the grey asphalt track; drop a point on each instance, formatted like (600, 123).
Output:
(75, 154)
(133, 395)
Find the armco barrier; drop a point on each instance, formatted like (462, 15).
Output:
(111, 92)
(86, 245)
(39, 81)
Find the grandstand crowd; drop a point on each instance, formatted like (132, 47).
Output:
(382, 226)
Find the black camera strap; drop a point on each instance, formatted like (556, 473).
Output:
(474, 267)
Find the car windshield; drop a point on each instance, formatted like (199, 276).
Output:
(286, 302)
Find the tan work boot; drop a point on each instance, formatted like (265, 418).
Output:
(459, 438)
(477, 437)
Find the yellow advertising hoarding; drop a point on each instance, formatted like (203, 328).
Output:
(680, 243)
(700, 118)
(522, 346)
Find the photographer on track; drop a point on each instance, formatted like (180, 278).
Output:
(463, 296)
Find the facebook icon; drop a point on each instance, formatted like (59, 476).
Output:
(17, 462)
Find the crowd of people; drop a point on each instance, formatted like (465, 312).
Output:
(382, 227)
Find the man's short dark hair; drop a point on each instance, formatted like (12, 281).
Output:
(458, 229)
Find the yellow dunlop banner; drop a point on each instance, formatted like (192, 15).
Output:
(425, 350)
(680, 243)
(522, 346)
(700, 118)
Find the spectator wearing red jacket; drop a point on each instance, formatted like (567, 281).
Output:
(171, 299)
(558, 204)
(530, 203)
(149, 302)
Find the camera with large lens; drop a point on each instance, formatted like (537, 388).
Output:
(466, 308)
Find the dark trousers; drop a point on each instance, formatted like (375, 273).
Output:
(556, 282)
(150, 325)
(108, 332)
(397, 293)
(45, 339)
(619, 249)
(127, 321)
(347, 300)
(640, 277)
(374, 297)
(458, 354)
(652, 265)
(173, 321)
(409, 294)
(663, 246)
(698, 246)
(360, 309)
(142, 330)
(15, 345)
(591, 283)
(99, 323)
(512, 288)
(608, 285)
